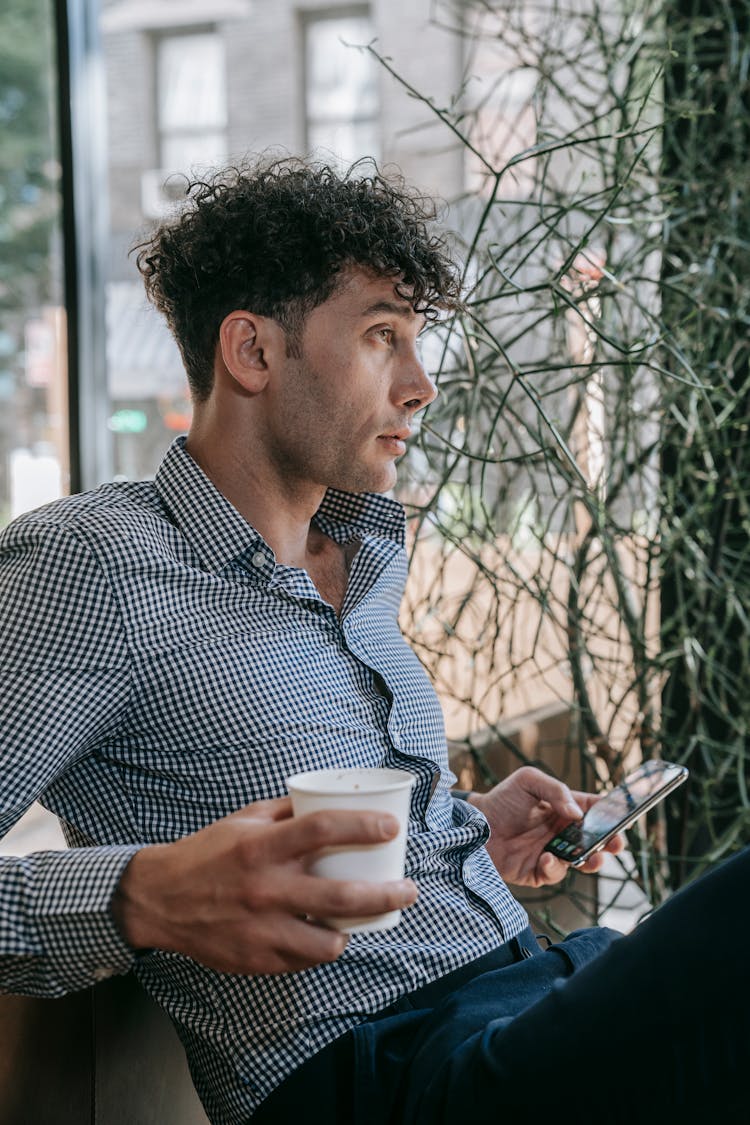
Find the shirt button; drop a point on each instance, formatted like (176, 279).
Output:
(258, 559)
(102, 974)
(396, 739)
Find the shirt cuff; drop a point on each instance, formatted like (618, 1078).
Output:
(74, 941)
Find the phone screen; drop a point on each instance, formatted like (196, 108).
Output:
(616, 810)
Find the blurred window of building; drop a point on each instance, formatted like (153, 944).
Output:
(342, 110)
(191, 100)
(34, 456)
(148, 391)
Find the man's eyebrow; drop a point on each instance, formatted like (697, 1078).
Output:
(393, 307)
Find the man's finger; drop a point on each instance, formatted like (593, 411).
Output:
(338, 898)
(279, 943)
(556, 794)
(592, 865)
(330, 828)
(616, 844)
(585, 800)
(302, 944)
(274, 808)
(550, 869)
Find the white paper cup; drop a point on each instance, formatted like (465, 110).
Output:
(377, 790)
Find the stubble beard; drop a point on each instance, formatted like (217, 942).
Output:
(343, 472)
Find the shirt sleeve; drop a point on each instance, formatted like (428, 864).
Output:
(56, 930)
(64, 685)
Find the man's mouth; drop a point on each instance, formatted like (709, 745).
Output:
(398, 435)
(396, 440)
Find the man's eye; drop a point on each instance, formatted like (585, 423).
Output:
(384, 334)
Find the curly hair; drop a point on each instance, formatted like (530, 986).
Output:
(272, 237)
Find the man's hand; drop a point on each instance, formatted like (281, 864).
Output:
(524, 812)
(236, 896)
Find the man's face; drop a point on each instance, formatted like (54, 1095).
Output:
(341, 412)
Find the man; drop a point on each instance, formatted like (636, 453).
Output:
(173, 650)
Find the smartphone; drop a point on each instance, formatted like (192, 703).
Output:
(616, 810)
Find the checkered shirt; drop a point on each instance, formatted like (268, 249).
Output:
(159, 671)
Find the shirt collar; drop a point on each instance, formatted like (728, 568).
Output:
(218, 534)
(352, 515)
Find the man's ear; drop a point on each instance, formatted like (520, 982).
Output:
(250, 346)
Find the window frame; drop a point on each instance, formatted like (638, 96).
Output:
(85, 223)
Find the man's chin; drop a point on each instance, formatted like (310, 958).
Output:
(378, 482)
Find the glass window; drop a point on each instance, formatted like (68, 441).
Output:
(341, 92)
(191, 101)
(33, 368)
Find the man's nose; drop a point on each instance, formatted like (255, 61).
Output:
(416, 389)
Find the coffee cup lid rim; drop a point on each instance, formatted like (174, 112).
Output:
(324, 780)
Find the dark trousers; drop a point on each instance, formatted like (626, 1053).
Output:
(639, 1030)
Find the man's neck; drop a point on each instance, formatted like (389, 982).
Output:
(282, 514)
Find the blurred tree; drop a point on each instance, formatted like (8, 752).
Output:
(30, 245)
(29, 201)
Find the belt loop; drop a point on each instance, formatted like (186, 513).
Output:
(520, 952)
(526, 945)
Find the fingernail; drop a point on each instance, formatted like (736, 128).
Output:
(388, 825)
(408, 890)
(574, 810)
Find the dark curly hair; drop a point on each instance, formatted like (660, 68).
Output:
(273, 236)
